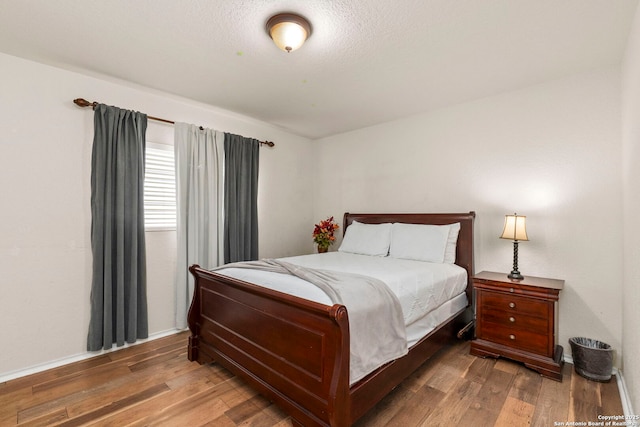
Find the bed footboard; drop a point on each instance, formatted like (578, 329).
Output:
(293, 351)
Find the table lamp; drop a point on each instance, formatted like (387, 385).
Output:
(515, 229)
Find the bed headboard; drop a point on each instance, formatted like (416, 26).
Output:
(464, 248)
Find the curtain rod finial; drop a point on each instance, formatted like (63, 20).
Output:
(81, 102)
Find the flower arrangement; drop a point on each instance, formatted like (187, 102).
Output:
(323, 234)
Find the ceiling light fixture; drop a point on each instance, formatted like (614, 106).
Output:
(288, 31)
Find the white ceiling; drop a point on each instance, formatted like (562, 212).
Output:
(366, 62)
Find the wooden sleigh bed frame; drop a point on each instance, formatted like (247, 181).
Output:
(296, 352)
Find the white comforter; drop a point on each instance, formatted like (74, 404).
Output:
(420, 286)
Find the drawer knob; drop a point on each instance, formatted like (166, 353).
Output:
(512, 319)
(512, 305)
(512, 337)
(511, 290)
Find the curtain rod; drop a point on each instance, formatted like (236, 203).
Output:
(81, 102)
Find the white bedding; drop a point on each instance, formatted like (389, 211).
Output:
(420, 286)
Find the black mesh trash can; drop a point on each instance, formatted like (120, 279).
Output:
(592, 359)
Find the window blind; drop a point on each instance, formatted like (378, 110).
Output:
(159, 187)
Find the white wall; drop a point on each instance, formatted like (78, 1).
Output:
(551, 152)
(45, 252)
(631, 183)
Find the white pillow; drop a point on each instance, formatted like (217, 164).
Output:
(452, 243)
(367, 239)
(420, 242)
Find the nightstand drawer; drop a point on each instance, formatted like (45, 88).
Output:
(517, 338)
(516, 320)
(513, 303)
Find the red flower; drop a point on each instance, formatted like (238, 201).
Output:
(323, 232)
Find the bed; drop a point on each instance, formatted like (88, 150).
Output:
(296, 351)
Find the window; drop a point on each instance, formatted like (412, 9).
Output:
(159, 188)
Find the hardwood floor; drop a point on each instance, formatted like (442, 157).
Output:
(154, 384)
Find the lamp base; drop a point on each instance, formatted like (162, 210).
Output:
(515, 275)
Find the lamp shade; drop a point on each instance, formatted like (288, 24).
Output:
(288, 31)
(514, 227)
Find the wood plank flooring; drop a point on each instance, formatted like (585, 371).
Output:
(154, 384)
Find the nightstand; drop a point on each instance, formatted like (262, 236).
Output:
(517, 319)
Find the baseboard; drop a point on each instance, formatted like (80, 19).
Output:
(622, 388)
(78, 357)
(624, 396)
(567, 359)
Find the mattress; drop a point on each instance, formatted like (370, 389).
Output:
(421, 287)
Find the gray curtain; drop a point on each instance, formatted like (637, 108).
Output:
(241, 198)
(118, 289)
(199, 186)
